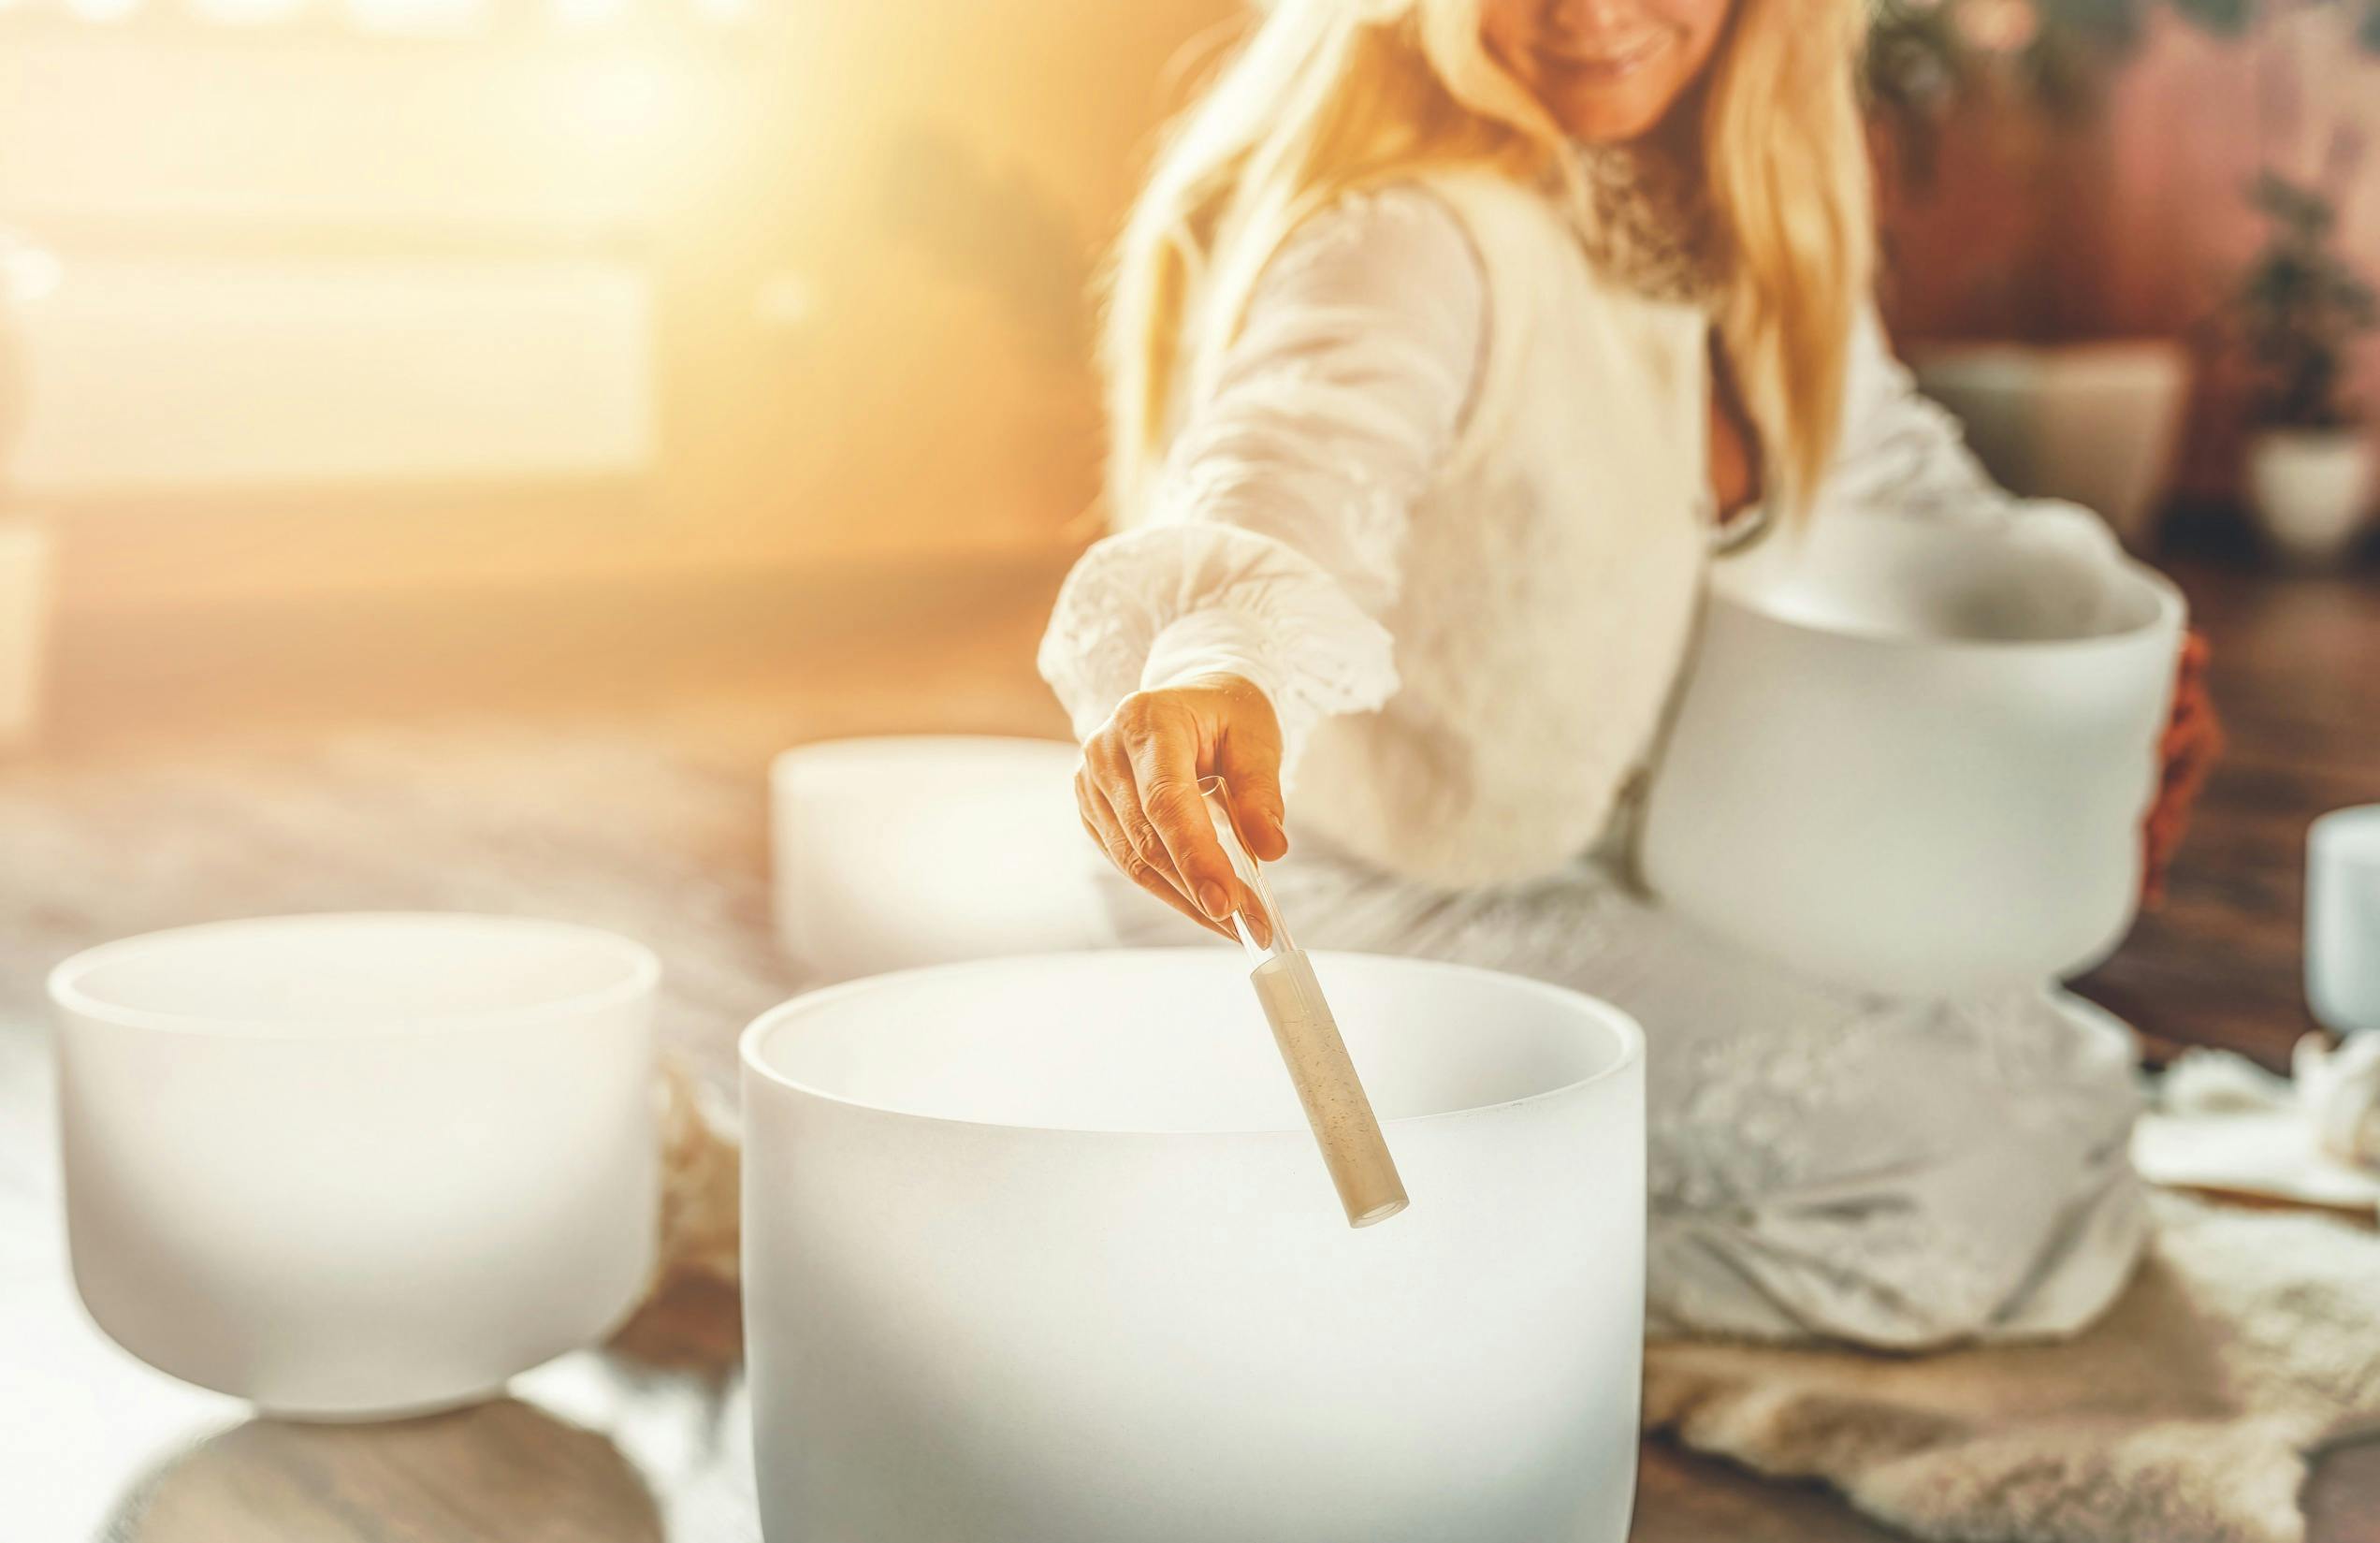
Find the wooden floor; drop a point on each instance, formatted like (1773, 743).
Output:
(604, 762)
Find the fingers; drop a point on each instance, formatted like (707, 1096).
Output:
(1249, 762)
(1147, 879)
(1108, 765)
(1165, 772)
(1099, 822)
(1139, 791)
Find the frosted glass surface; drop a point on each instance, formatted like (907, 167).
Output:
(358, 1165)
(2342, 920)
(1942, 581)
(1914, 755)
(1041, 1248)
(342, 974)
(924, 850)
(1108, 1052)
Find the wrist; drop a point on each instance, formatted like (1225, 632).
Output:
(1216, 650)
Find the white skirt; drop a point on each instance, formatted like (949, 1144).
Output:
(1823, 1164)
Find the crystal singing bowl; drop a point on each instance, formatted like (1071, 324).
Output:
(351, 1166)
(1914, 754)
(1040, 1250)
(919, 850)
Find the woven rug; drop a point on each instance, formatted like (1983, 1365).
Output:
(2186, 1414)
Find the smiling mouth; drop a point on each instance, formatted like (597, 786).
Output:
(1604, 66)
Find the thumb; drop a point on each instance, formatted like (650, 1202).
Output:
(1248, 759)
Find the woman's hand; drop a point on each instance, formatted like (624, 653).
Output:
(2193, 738)
(1139, 791)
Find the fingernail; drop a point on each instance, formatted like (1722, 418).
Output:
(1214, 901)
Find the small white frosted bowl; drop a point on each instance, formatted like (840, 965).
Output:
(1039, 1250)
(347, 1166)
(2342, 920)
(1914, 755)
(929, 849)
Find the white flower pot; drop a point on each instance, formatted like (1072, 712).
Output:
(2311, 490)
(2095, 423)
(26, 565)
(1040, 1250)
(357, 1166)
(1914, 755)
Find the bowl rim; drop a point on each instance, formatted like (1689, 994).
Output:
(1621, 1024)
(790, 761)
(2336, 825)
(642, 973)
(2169, 613)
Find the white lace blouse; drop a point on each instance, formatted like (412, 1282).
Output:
(1445, 503)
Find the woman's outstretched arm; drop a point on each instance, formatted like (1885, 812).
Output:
(1244, 607)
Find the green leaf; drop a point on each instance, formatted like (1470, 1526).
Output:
(2223, 18)
(2300, 304)
(2110, 24)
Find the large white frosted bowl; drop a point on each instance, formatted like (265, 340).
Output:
(929, 849)
(1914, 755)
(1039, 1250)
(349, 1166)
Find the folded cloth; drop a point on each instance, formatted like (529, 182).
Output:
(2184, 1416)
(2221, 1122)
(2340, 1090)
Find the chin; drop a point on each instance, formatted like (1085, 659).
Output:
(1608, 121)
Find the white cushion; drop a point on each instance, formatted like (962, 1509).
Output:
(929, 849)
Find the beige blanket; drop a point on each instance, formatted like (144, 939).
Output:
(2185, 1415)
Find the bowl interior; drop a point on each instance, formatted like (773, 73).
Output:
(1173, 1040)
(358, 974)
(1909, 578)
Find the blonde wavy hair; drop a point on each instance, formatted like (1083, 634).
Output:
(1325, 97)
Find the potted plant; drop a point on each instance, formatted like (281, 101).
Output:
(2298, 311)
(1998, 98)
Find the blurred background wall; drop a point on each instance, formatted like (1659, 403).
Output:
(331, 297)
(364, 297)
(2109, 201)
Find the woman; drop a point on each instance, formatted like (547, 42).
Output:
(1450, 342)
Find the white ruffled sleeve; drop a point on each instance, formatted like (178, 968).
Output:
(1273, 544)
(1900, 448)
(1903, 452)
